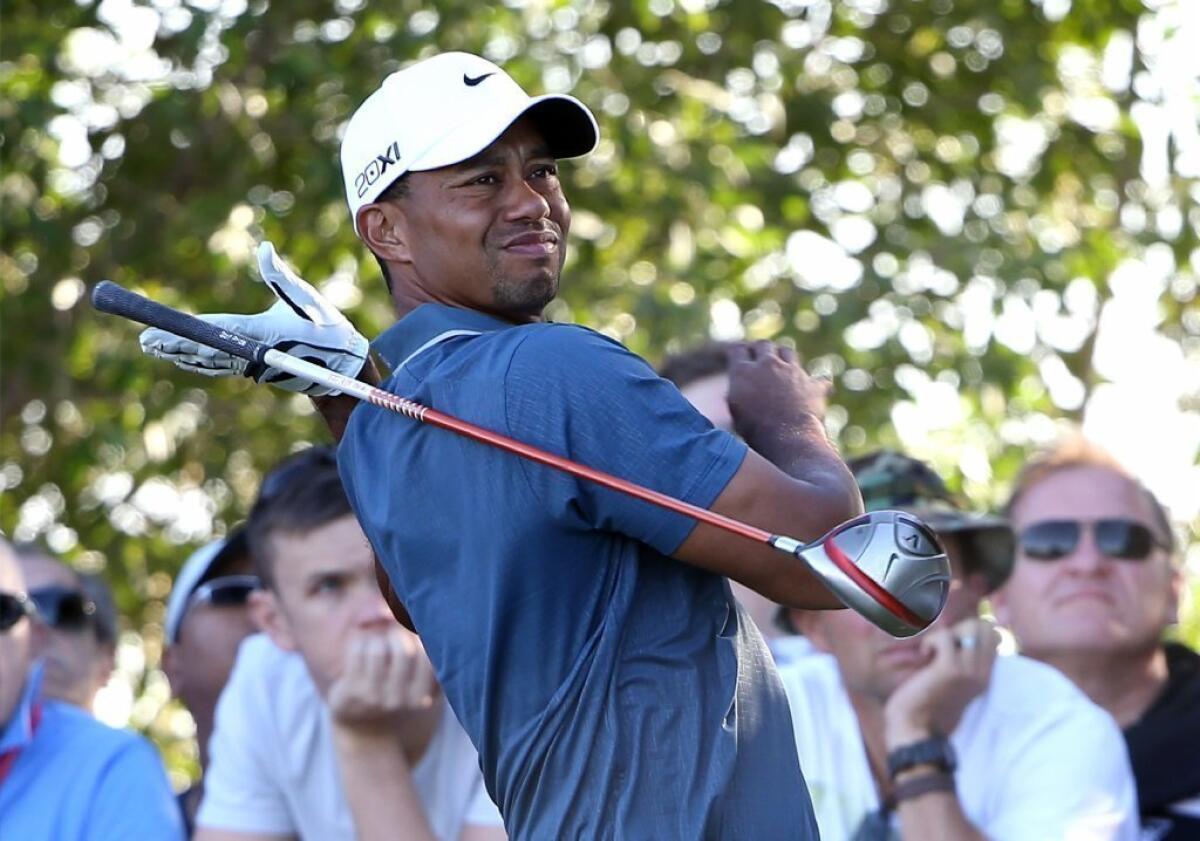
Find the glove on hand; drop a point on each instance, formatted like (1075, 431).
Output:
(301, 323)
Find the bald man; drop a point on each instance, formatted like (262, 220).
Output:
(63, 774)
(76, 648)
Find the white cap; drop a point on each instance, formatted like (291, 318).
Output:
(441, 111)
(195, 570)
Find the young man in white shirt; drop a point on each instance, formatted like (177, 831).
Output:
(332, 725)
(937, 736)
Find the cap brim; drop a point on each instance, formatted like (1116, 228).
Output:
(565, 123)
(196, 570)
(989, 546)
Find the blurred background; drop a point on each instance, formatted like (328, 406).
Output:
(980, 217)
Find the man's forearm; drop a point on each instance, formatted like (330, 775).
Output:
(336, 409)
(378, 784)
(802, 450)
(937, 814)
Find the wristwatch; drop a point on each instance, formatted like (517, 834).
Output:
(936, 751)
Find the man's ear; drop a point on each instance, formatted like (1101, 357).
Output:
(998, 599)
(383, 229)
(269, 616)
(808, 623)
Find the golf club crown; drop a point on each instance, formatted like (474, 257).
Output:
(896, 551)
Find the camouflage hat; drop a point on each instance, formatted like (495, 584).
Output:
(889, 479)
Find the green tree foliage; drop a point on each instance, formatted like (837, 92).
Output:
(885, 183)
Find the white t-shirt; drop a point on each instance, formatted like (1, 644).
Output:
(1037, 761)
(272, 767)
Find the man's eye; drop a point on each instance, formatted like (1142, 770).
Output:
(546, 171)
(330, 584)
(486, 179)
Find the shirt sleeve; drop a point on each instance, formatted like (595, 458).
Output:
(579, 394)
(133, 798)
(1086, 792)
(241, 792)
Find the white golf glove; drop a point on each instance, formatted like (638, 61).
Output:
(301, 323)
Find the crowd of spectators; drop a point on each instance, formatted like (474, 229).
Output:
(319, 716)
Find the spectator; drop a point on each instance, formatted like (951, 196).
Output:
(701, 374)
(63, 774)
(936, 736)
(1096, 585)
(207, 618)
(332, 725)
(74, 639)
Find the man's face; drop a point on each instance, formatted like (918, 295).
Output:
(199, 662)
(871, 662)
(15, 643)
(76, 664)
(325, 592)
(490, 233)
(1087, 601)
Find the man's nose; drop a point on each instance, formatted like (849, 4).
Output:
(1087, 559)
(523, 202)
(373, 611)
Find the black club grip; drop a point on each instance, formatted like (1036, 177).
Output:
(111, 298)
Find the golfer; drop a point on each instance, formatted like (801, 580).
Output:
(588, 641)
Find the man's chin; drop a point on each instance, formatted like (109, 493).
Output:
(525, 299)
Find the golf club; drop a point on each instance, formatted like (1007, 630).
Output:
(886, 565)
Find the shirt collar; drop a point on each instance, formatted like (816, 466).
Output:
(18, 731)
(428, 320)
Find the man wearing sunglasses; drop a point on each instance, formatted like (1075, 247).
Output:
(207, 619)
(1095, 586)
(74, 641)
(63, 774)
(937, 736)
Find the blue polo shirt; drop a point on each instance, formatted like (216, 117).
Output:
(76, 778)
(610, 690)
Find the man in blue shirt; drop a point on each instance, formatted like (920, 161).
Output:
(588, 642)
(64, 775)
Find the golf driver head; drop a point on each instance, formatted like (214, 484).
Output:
(886, 565)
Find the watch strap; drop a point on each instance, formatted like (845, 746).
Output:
(921, 785)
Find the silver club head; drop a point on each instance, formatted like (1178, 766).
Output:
(886, 565)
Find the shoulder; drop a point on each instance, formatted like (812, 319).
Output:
(264, 677)
(814, 687)
(1024, 686)
(568, 348)
(78, 733)
(1038, 700)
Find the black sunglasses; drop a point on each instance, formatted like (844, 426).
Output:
(13, 608)
(1116, 537)
(225, 591)
(63, 608)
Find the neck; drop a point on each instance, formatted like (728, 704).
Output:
(869, 712)
(204, 728)
(1124, 684)
(408, 294)
(406, 298)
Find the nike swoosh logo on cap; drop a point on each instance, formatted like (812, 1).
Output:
(472, 82)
